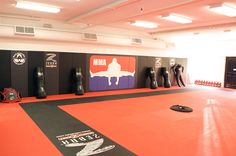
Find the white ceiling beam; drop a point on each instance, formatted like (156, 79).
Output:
(97, 10)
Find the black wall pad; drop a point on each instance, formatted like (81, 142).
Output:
(5, 69)
(51, 69)
(69, 61)
(36, 59)
(19, 72)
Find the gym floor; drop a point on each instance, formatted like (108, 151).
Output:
(126, 122)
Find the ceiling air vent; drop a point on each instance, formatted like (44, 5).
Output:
(136, 41)
(19, 30)
(47, 25)
(90, 37)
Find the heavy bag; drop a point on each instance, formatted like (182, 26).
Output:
(77, 76)
(152, 76)
(40, 83)
(10, 95)
(178, 69)
(165, 76)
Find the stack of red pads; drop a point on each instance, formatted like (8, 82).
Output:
(207, 83)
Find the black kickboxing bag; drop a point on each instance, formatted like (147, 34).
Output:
(165, 75)
(40, 83)
(77, 76)
(178, 69)
(152, 76)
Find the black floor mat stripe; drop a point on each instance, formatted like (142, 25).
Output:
(109, 97)
(71, 136)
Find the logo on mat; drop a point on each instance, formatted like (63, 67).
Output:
(50, 60)
(19, 58)
(90, 142)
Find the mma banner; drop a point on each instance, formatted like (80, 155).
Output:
(111, 72)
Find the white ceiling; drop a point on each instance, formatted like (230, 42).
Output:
(118, 13)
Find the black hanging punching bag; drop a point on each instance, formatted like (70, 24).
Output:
(77, 76)
(178, 69)
(40, 83)
(152, 75)
(165, 75)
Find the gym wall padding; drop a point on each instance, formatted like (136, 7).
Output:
(101, 66)
(157, 62)
(69, 61)
(19, 72)
(35, 59)
(5, 69)
(143, 63)
(147, 61)
(58, 66)
(51, 70)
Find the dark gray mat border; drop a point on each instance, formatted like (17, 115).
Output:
(109, 97)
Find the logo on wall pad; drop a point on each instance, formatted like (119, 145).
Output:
(172, 62)
(157, 62)
(50, 60)
(89, 142)
(19, 58)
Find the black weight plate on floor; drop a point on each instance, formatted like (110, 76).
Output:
(181, 108)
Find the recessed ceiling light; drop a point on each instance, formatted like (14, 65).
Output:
(177, 18)
(37, 7)
(224, 9)
(144, 24)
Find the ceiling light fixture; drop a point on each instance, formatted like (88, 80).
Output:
(144, 24)
(224, 9)
(37, 7)
(177, 18)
